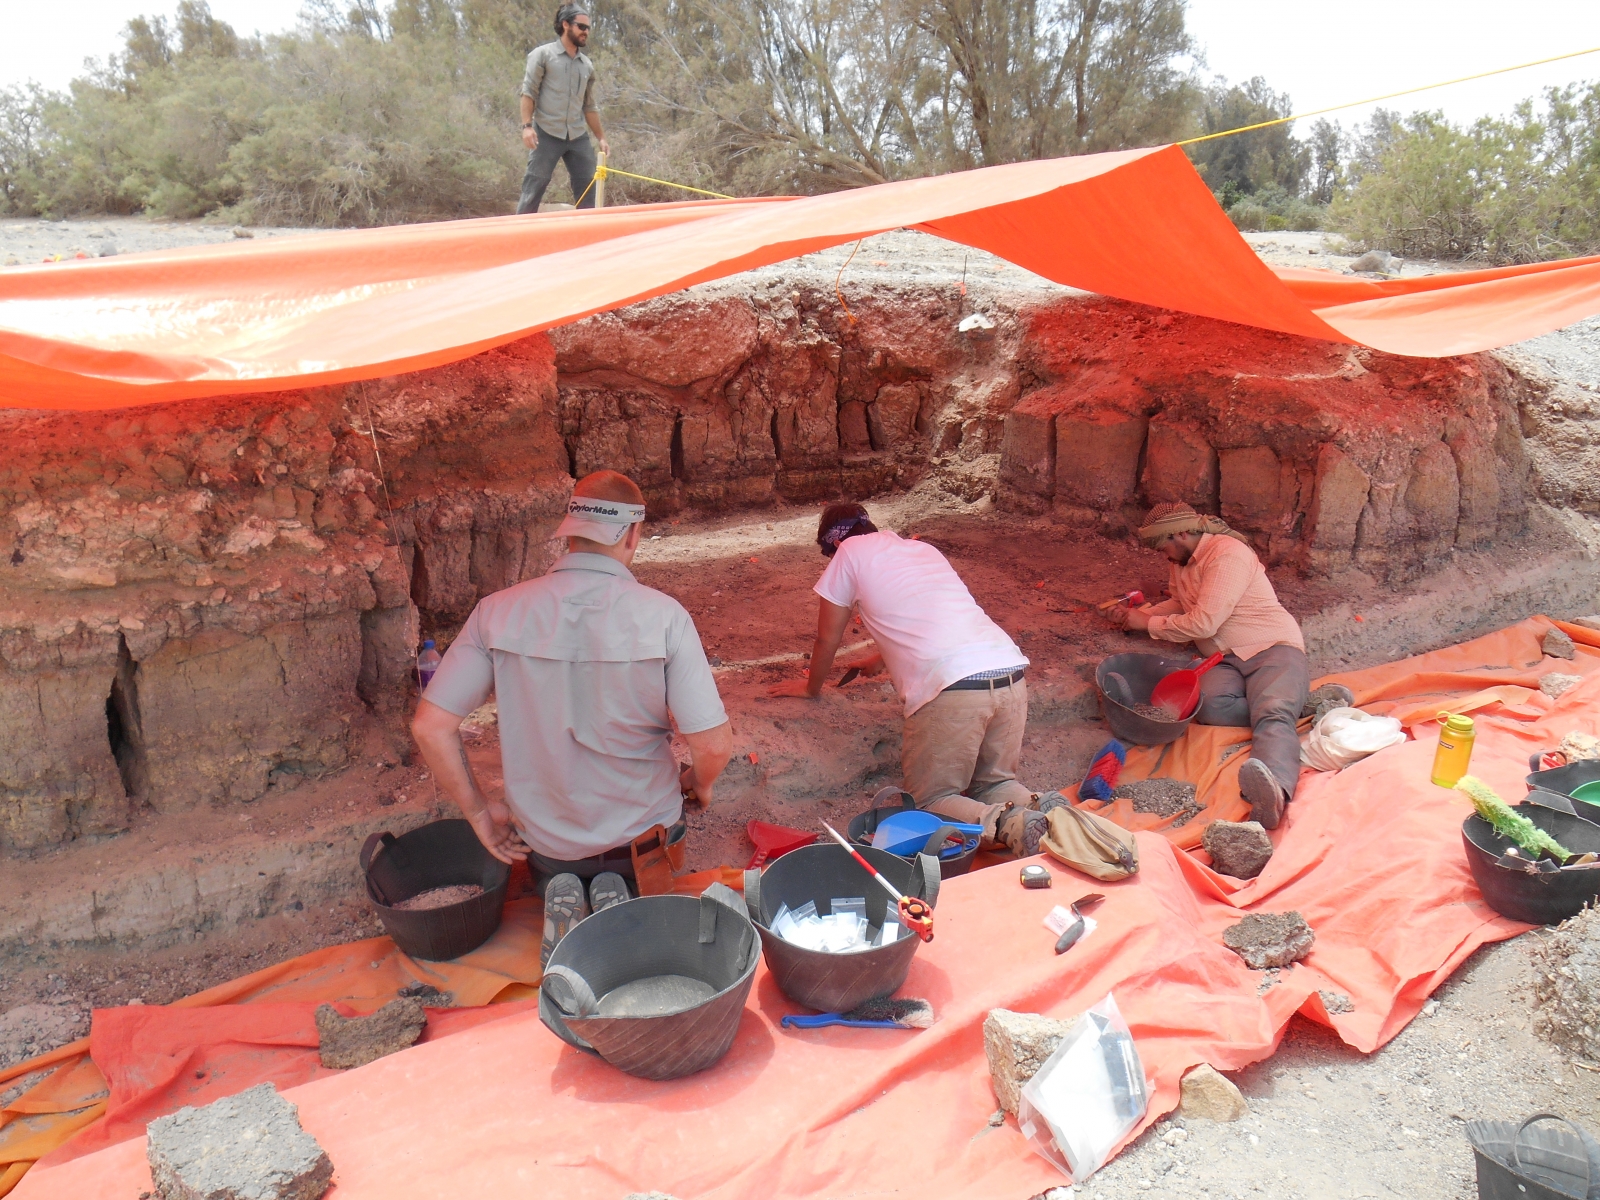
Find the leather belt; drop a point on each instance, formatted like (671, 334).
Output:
(985, 685)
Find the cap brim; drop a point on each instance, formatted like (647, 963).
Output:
(607, 533)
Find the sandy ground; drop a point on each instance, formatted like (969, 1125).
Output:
(1325, 1121)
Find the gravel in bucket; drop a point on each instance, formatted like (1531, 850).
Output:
(440, 897)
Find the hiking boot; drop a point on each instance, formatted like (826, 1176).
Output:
(564, 906)
(1022, 831)
(1327, 698)
(1262, 793)
(606, 889)
(1051, 800)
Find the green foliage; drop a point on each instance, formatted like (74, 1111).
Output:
(1271, 209)
(378, 112)
(1245, 163)
(1524, 188)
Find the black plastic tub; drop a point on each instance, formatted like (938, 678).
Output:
(863, 825)
(1563, 780)
(837, 982)
(656, 986)
(439, 854)
(1142, 672)
(1525, 893)
(1516, 1162)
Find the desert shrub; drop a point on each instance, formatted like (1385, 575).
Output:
(1524, 188)
(1271, 209)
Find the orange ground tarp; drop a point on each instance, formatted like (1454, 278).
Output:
(1372, 856)
(265, 315)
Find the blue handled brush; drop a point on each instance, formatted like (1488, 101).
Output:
(883, 1013)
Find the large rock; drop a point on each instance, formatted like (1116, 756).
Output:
(1268, 940)
(244, 1147)
(1208, 1095)
(1017, 1045)
(345, 1042)
(1237, 848)
(1566, 985)
(1179, 465)
(1557, 643)
(1337, 498)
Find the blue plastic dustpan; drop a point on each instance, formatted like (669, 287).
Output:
(908, 832)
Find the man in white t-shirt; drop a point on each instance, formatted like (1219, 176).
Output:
(958, 672)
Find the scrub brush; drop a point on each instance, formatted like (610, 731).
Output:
(1104, 772)
(885, 1012)
(1509, 824)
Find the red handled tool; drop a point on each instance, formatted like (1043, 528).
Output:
(1179, 692)
(915, 914)
(1132, 600)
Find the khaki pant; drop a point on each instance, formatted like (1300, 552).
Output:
(959, 755)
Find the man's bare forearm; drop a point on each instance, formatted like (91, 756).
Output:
(438, 735)
(709, 752)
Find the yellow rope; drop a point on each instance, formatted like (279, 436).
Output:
(1387, 96)
(602, 172)
(840, 276)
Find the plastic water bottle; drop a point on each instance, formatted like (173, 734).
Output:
(427, 663)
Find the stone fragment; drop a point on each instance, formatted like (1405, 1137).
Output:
(244, 1147)
(1557, 644)
(1267, 940)
(1016, 1045)
(1566, 985)
(355, 1041)
(1591, 622)
(1375, 260)
(1208, 1095)
(1579, 745)
(1555, 683)
(1335, 1002)
(1237, 848)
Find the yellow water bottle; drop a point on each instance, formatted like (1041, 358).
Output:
(1455, 749)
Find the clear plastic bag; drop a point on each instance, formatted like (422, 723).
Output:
(1087, 1096)
(1347, 735)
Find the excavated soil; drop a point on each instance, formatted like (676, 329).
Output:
(1324, 1121)
(441, 897)
(1159, 797)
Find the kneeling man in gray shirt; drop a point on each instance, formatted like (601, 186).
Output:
(590, 670)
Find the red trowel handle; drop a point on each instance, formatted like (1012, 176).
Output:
(1179, 692)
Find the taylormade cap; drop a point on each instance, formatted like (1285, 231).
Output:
(603, 521)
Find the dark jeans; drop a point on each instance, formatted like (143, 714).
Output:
(1265, 693)
(577, 153)
(618, 859)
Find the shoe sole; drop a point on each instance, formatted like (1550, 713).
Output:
(1262, 793)
(562, 910)
(606, 889)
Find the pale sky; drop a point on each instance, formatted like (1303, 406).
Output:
(1321, 52)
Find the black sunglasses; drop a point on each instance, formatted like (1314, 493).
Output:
(580, 28)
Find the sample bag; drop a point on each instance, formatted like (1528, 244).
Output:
(1080, 1105)
(1347, 735)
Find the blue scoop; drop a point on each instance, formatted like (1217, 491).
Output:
(908, 832)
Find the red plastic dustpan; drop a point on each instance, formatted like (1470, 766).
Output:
(1179, 692)
(771, 841)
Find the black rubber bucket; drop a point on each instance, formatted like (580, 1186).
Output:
(1562, 780)
(439, 854)
(837, 982)
(863, 825)
(1519, 1163)
(655, 986)
(1526, 893)
(1143, 672)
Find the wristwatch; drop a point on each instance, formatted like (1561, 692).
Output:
(529, 125)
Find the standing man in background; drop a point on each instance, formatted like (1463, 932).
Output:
(557, 104)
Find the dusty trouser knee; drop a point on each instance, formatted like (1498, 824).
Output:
(1223, 697)
(960, 753)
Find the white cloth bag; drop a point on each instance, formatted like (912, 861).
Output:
(1347, 735)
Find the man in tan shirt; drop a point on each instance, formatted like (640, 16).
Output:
(1223, 601)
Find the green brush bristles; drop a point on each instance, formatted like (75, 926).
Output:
(1508, 824)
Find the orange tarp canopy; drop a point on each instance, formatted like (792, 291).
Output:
(265, 315)
(1372, 856)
